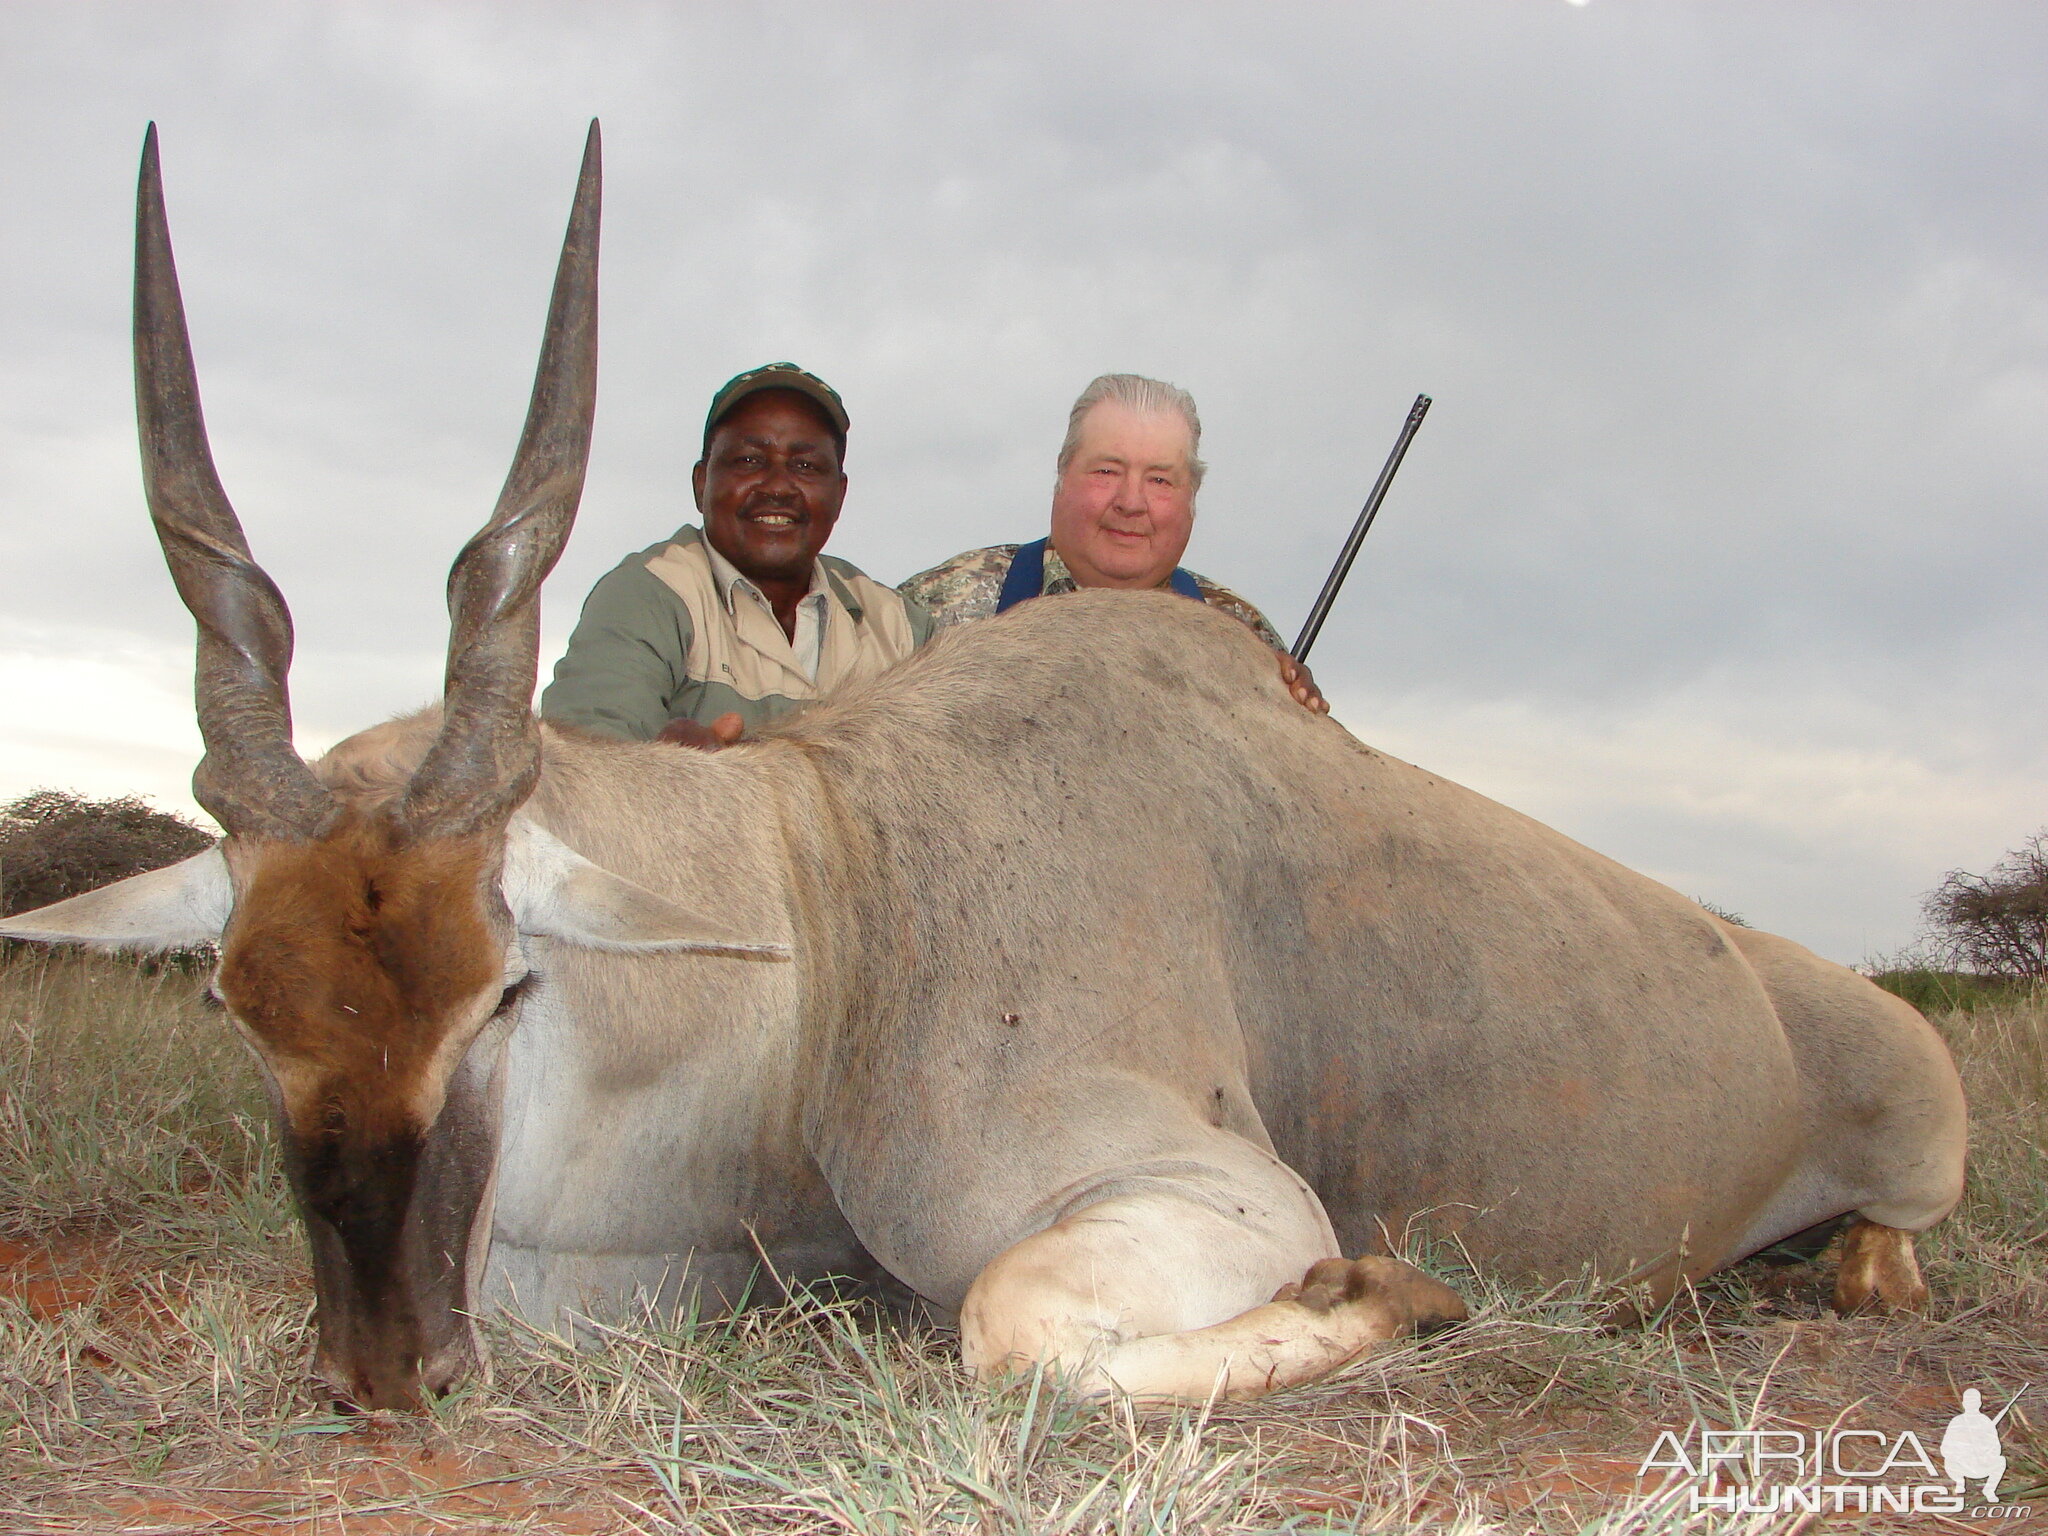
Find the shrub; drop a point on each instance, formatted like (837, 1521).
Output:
(1995, 924)
(55, 844)
(1722, 912)
(1932, 989)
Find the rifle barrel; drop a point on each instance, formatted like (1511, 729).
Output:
(1359, 529)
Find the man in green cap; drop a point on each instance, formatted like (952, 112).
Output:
(712, 633)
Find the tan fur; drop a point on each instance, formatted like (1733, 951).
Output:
(370, 769)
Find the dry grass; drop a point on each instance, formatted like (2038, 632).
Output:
(153, 1333)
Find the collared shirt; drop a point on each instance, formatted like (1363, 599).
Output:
(968, 587)
(809, 640)
(669, 634)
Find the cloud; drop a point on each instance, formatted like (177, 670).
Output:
(93, 711)
(1733, 316)
(1805, 818)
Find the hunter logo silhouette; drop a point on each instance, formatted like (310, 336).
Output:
(1969, 1446)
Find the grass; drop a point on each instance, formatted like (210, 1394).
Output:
(154, 1326)
(1933, 990)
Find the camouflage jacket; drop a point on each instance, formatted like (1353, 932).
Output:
(968, 586)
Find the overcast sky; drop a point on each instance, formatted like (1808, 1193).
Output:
(1722, 549)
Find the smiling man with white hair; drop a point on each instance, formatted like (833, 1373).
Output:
(1123, 507)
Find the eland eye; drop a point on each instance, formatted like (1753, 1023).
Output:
(514, 991)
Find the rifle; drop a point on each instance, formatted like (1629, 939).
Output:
(2008, 1407)
(1359, 529)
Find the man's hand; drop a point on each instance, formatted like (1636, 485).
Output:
(1302, 685)
(722, 732)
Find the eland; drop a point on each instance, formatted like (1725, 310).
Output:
(1069, 974)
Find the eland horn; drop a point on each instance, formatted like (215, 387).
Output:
(485, 760)
(251, 779)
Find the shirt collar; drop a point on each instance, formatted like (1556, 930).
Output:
(1057, 578)
(730, 578)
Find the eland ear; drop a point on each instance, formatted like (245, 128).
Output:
(180, 906)
(555, 892)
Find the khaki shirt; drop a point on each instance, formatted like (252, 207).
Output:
(675, 631)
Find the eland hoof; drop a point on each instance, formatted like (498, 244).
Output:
(1415, 1303)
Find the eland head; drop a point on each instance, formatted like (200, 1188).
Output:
(369, 941)
(364, 947)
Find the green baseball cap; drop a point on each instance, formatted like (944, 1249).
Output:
(776, 376)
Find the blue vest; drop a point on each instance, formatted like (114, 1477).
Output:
(1027, 578)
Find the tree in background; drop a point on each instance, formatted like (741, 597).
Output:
(55, 844)
(1996, 923)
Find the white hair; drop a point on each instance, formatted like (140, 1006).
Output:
(1147, 396)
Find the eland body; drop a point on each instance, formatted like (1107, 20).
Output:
(1069, 973)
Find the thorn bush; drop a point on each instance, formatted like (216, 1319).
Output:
(1995, 924)
(55, 844)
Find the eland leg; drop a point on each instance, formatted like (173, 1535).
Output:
(1879, 1272)
(1163, 1298)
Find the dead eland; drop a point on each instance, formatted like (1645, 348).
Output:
(1069, 973)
